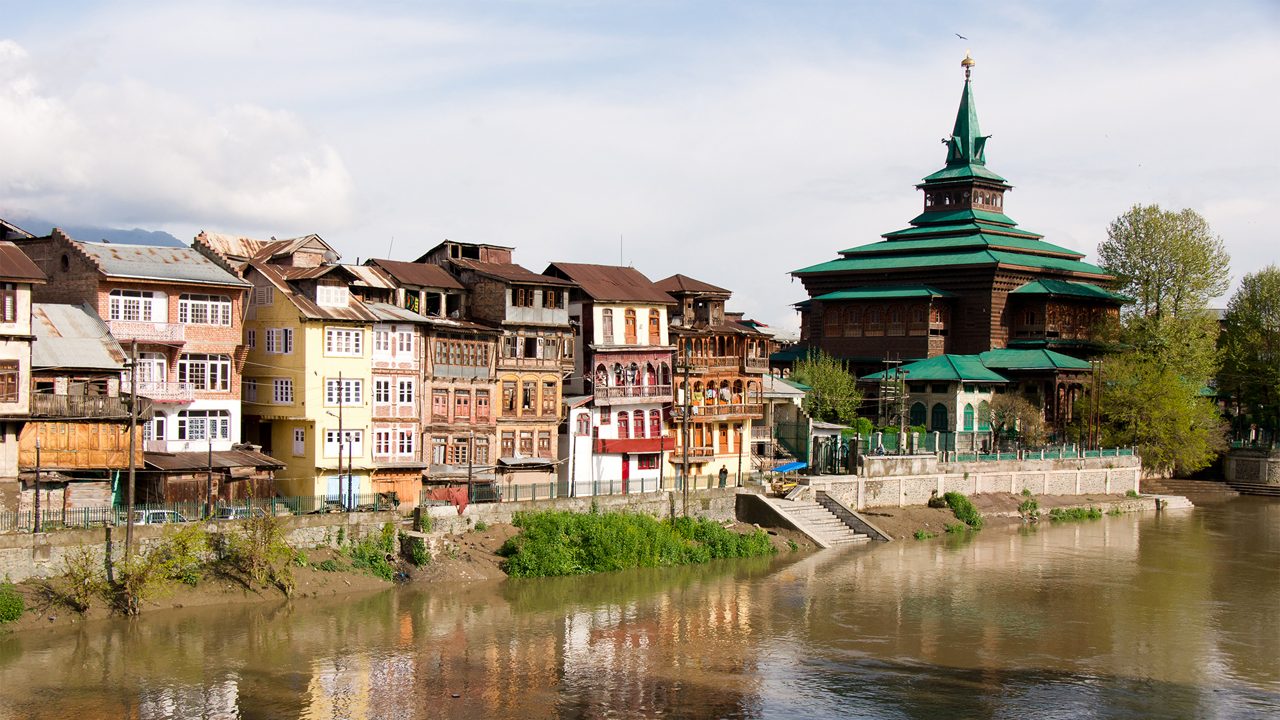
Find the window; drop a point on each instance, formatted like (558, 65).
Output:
(8, 302)
(605, 418)
(382, 442)
(583, 424)
(134, 305)
(351, 442)
(439, 405)
(482, 404)
(382, 391)
(279, 341)
(262, 295)
(249, 390)
(459, 451)
(629, 325)
(917, 413)
(549, 398)
(647, 462)
(938, 418)
(624, 426)
(527, 394)
(439, 450)
(332, 294)
(508, 397)
(655, 423)
(637, 423)
(347, 391)
(544, 444)
(968, 417)
(508, 448)
(655, 327)
(526, 443)
(9, 381)
(205, 372)
(344, 341)
(606, 326)
(480, 450)
(299, 441)
(406, 442)
(204, 425)
(382, 341)
(405, 391)
(251, 338)
(154, 430)
(462, 404)
(282, 391)
(204, 309)
(551, 299)
(522, 297)
(404, 342)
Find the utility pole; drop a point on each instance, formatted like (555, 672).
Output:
(684, 432)
(341, 437)
(471, 443)
(133, 441)
(35, 526)
(740, 434)
(208, 482)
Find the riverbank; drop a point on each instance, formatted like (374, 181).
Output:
(997, 509)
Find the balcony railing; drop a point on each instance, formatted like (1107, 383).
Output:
(725, 410)
(696, 454)
(161, 391)
(761, 432)
(632, 392)
(78, 406)
(755, 364)
(147, 331)
(535, 363)
(704, 363)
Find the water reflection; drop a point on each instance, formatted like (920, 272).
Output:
(1154, 616)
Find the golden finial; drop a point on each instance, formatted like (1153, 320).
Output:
(967, 63)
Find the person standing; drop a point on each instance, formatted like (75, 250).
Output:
(724, 475)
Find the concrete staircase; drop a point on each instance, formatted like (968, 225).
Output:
(1161, 486)
(824, 527)
(1247, 488)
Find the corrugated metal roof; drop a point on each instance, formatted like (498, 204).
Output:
(1008, 359)
(386, 312)
(74, 337)
(221, 459)
(509, 272)
(417, 273)
(605, 283)
(911, 245)
(354, 311)
(684, 284)
(886, 291)
(1069, 289)
(370, 277)
(16, 266)
(946, 367)
(949, 259)
(154, 262)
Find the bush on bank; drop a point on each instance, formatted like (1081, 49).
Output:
(566, 543)
(964, 510)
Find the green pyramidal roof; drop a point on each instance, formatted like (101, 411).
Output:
(967, 147)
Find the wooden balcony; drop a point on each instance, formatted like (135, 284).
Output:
(126, 330)
(722, 411)
(622, 394)
(525, 363)
(755, 364)
(761, 432)
(707, 363)
(160, 391)
(78, 406)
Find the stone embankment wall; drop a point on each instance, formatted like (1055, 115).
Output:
(1249, 465)
(715, 503)
(25, 556)
(1040, 477)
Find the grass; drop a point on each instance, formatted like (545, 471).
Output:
(963, 509)
(1131, 493)
(925, 535)
(373, 553)
(1074, 514)
(11, 604)
(1029, 509)
(957, 528)
(564, 543)
(482, 526)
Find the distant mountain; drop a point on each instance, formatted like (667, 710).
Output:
(89, 233)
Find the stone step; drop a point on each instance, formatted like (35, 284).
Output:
(1256, 489)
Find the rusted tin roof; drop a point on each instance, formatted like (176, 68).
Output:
(16, 266)
(222, 459)
(283, 277)
(368, 276)
(73, 337)
(510, 272)
(680, 284)
(417, 274)
(155, 262)
(605, 283)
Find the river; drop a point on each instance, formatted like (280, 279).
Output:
(1174, 615)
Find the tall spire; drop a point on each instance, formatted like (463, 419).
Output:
(967, 145)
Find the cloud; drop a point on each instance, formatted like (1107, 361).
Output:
(127, 152)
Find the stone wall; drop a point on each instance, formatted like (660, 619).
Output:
(716, 504)
(24, 556)
(1040, 477)
(1249, 465)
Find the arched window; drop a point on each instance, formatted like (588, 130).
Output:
(629, 325)
(650, 374)
(602, 375)
(633, 374)
(655, 423)
(584, 424)
(984, 416)
(617, 374)
(665, 374)
(637, 422)
(624, 426)
(938, 418)
(968, 417)
(918, 413)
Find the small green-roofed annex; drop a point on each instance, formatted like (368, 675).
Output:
(1038, 359)
(1066, 288)
(964, 368)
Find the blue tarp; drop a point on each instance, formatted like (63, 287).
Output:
(790, 466)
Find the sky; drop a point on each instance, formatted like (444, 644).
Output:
(730, 141)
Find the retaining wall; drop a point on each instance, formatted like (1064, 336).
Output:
(25, 556)
(1250, 465)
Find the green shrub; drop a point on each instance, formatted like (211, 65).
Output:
(181, 553)
(1073, 514)
(83, 579)
(924, 535)
(565, 543)
(11, 604)
(964, 510)
(792, 545)
(1131, 493)
(956, 528)
(373, 553)
(482, 526)
(1026, 492)
(1029, 509)
(258, 553)
(327, 565)
(414, 549)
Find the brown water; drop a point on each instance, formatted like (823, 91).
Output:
(1176, 615)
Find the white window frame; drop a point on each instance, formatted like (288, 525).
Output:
(404, 342)
(282, 391)
(214, 369)
(344, 342)
(332, 447)
(406, 391)
(249, 390)
(251, 338)
(382, 341)
(332, 295)
(196, 424)
(209, 309)
(141, 304)
(382, 391)
(382, 442)
(299, 442)
(350, 392)
(406, 442)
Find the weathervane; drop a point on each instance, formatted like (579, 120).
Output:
(967, 63)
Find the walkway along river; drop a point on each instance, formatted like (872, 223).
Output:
(1173, 615)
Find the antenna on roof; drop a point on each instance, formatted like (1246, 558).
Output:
(620, 260)
(391, 245)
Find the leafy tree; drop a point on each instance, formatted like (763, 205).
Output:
(1146, 403)
(1013, 414)
(1251, 346)
(834, 395)
(1170, 263)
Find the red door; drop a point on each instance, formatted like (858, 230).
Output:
(626, 471)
